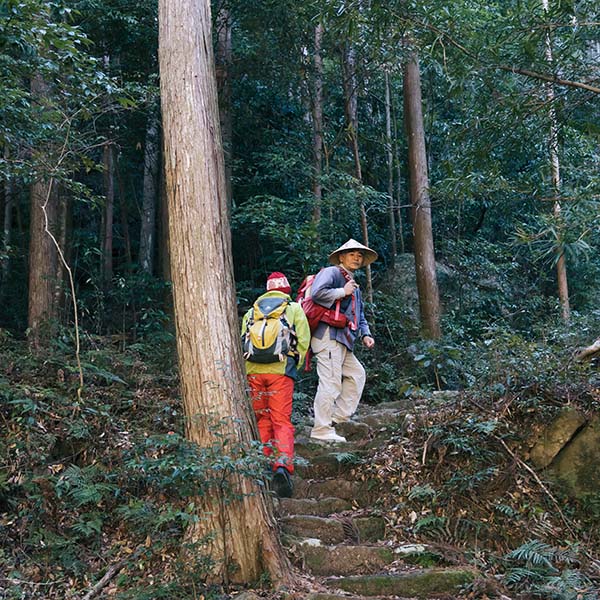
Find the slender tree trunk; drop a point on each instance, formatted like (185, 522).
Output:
(245, 544)
(163, 246)
(390, 166)
(429, 302)
(6, 229)
(318, 124)
(351, 108)
(561, 267)
(151, 163)
(398, 204)
(399, 199)
(223, 60)
(123, 214)
(107, 222)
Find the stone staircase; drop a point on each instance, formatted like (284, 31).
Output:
(332, 530)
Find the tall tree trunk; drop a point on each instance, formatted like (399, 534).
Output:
(223, 60)
(212, 381)
(427, 287)
(163, 243)
(398, 204)
(390, 166)
(107, 221)
(43, 263)
(6, 229)
(351, 109)
(561, 267)
(42, 310)
(399, 199)
(151, 163)
(123, 214)
(318, 124)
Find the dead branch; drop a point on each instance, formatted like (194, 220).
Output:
(110, 573)
(523, 464)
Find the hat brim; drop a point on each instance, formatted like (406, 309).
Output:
(369, 255)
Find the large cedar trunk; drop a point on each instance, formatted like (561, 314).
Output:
(43, 255)
(223, 60)
(43, 263)
(245, 543)
(427, 287)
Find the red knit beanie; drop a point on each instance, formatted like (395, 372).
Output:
(278, 282)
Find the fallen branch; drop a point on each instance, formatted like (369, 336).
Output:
(540, 483)
(110, 573)
(588, 351)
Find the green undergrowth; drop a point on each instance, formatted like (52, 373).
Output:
(456, 473)
(102, 475)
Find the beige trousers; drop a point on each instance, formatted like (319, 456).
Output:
(341, 383)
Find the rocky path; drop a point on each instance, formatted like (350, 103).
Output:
(332, 528)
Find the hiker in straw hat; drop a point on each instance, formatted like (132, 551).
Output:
(341, 376)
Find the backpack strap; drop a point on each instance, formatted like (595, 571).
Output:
(353, 324)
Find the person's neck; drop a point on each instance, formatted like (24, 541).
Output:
(349, 271)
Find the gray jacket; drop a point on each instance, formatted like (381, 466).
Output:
(328, 287)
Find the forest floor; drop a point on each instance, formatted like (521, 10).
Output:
(97, 481)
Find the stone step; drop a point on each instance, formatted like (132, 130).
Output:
(326, 488)
(309, 449)
(322, 507)
(331, 464)
(422, 583)
(335, 530)
(341, 559)
(341, 596)
(382, 419)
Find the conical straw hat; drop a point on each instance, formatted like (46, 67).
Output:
(370, 255)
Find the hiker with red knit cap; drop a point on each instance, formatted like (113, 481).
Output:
(275, 339)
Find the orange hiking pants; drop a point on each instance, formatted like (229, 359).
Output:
(272, 403)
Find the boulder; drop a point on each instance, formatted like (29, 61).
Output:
(577, 465)
(555, 437)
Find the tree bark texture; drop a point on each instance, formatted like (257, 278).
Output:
(223, 60)
(43, 263)
(151, 163)
(351, 108)
(318, 124)
(42, 309)
(427, 287)
(245, 542)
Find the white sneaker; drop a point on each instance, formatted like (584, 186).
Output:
(328, 437)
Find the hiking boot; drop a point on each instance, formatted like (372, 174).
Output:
(282, 483)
